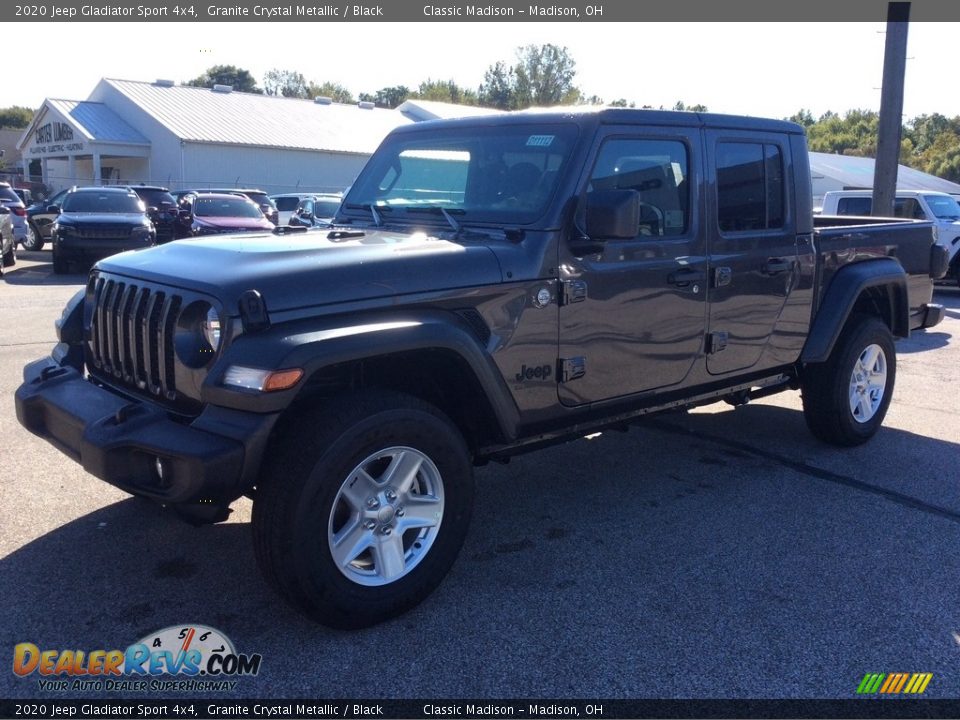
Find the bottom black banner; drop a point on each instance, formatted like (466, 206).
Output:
(471, 709)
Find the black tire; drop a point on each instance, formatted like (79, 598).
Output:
(829, 388)
(33, 241)
(61, 266)
(301, 501)
(10, 256)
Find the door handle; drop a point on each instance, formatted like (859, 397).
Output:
(683, 278)
(775, 266)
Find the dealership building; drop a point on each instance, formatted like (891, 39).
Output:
(160, 133)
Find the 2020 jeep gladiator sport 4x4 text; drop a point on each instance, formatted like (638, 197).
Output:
(489, 286)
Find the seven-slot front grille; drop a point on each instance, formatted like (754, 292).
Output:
(103, 232)
(131, 335)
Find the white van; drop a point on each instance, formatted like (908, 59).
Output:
(940, 208)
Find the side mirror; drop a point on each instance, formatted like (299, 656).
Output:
(612, 214)
(55, 209)
(152, 210)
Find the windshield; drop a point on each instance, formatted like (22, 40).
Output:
(503, 173)
(225, 207)
(105, 202)
(944, 207)
(156, 198)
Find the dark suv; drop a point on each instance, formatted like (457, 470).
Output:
(98, 221)
(161, 209)
(267, 206)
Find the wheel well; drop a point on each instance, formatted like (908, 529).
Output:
(436, 376)
(881, 302)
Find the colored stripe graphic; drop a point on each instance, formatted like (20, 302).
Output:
(894, 683)
(918, 683)
(870, 683)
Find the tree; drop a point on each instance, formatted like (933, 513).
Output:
(622, 102)
(497, 88)
(239, 79)
(802, 117)
(446, 91)
(15, 117)
(287, 83)
(683, 107)
(334, 91)
(544, 76)
(388, 97)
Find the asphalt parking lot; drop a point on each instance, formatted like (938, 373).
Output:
(717, 553)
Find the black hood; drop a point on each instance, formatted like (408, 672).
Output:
(307, 269)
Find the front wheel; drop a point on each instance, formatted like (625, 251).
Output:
(846, 398)
(363, 508)
(33, 240)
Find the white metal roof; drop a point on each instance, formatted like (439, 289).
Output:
(95, 121)
(236, 118)
(857, 172)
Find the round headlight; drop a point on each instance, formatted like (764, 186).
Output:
(211, 328)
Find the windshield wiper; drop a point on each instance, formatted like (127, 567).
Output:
(440, 210)
(377, 220)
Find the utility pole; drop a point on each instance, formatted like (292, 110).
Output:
(891, 109)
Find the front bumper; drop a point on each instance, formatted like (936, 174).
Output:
(932, 315)
(119, 440)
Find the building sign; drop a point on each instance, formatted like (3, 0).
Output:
(54, 138)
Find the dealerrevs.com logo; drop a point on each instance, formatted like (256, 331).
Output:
(200, 657)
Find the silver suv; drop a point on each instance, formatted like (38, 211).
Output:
(22, 233)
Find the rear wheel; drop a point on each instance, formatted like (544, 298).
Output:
(846, 398)
(10, 256)
(363, 508)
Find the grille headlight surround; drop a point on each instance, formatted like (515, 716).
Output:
(198, 335)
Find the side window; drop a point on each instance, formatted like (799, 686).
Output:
(749, 186)
(854, 206)
(907, 208)
(657, 170)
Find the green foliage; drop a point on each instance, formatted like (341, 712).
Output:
(239, 79)
(15, 117)
(543, 76)
(445, 91)
(388, 97)
(334, 91)
(929, 143)
(287, 83)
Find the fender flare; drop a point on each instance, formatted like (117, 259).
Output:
(315, 345)
(841, 295)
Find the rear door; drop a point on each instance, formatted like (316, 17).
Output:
(753, 251)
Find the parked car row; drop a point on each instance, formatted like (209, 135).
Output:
(85, 224)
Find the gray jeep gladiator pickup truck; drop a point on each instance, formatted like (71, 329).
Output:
(489, 286)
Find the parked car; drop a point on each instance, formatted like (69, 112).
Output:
(263, 200)
(25, 195)
(161, 209)
(316, 211)
(8, 243)
(940, 208)
(216, 213)
(286, 204)
(96, 222)
(41, 220)
(18, 211)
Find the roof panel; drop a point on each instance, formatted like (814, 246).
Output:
(98, 121)
(202, 115)
(857, 172)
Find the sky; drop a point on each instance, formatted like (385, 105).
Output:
(748, 68)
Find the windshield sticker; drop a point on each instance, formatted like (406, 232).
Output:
(540, 140)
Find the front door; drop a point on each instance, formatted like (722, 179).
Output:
(633, 314)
